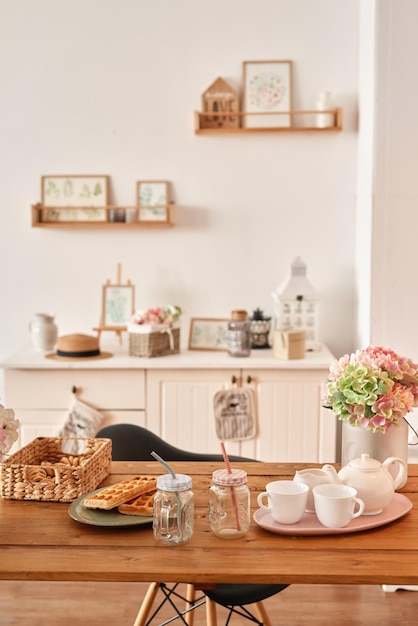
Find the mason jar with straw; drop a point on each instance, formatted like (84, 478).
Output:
(229, 501)
(173, 519)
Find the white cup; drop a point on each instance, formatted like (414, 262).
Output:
(335, 505)
(286, 500)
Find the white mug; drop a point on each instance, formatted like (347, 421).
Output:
(335, 505)
(286, 500)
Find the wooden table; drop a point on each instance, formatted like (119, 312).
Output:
(39, 541)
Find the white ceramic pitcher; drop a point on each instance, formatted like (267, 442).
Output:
(44, 332)
(313, 476)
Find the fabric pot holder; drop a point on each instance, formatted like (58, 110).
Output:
(235, 414)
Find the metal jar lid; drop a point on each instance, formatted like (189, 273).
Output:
(180, 483)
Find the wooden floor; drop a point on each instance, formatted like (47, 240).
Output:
(116, 604)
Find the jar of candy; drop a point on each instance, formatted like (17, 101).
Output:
(229, 503)
(173, 518)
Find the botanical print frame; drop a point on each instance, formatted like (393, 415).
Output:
(208, 333)
(267, 87)
(152, 200)
(118, 305)
(85, 193)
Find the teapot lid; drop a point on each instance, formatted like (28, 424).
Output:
(365, 463)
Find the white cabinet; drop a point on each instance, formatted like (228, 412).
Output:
(173, 397)
(180, 407)
(41, 398)
(292, 425)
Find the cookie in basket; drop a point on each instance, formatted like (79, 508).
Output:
(124, 491)
(142, 505)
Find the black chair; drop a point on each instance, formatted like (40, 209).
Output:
(135, 443)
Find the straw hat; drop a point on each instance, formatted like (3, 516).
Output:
(81, 347)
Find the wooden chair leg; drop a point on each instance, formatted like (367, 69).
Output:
(146, 605)
(211, 612)
(190, 597)
(262, 613)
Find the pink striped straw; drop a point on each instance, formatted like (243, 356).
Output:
(233, 496)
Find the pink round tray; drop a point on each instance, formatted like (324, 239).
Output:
(310, 525)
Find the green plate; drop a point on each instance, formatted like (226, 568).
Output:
(98, 517)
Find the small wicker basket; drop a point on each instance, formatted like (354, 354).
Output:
(45, 469)
(158, 343)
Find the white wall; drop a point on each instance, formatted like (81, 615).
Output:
(365, 169)
(110, 87)
(395, 214)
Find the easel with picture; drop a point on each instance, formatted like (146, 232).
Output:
(118, 306)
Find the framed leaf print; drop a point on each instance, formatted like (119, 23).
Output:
(152, 200)
(68, 198)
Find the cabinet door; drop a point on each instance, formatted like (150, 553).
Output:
(103, 389)
(180, 409)
(42, 399)
(47, 423)
(293, 426)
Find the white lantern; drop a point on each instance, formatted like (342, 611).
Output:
(296, 305)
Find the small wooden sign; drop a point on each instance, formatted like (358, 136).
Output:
(219, 100)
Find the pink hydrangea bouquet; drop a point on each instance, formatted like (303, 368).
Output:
(373, 388)
(168, 314)
(9, 426)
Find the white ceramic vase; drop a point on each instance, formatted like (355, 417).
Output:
(380, 446)
(43, 331)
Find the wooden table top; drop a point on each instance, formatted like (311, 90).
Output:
(40, 541)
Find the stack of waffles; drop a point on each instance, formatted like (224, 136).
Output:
(133, 496)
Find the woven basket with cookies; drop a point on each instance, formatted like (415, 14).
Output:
(45, 469)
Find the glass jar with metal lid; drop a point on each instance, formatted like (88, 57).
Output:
(173, 519)
(239, 334)
(229, 503)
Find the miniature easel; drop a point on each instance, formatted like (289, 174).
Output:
(116, 329)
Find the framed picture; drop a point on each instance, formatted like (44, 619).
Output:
(208, 333)
(152, 200)
(267, 89)
(85, 193)
(118, 305)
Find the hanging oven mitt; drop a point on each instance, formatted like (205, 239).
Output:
(235, 414)
(82, 421)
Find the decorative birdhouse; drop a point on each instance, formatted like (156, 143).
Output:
(219, 100)
(296, 305)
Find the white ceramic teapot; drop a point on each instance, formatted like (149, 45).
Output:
(373, 481)
(313, 476)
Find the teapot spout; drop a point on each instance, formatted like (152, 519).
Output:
(332, 473)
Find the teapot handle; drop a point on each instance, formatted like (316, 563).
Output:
(400, 476)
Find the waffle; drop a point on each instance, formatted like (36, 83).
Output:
(142, 505)
(121, 492)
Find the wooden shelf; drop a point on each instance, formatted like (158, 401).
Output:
(300, 122)
(99, 217)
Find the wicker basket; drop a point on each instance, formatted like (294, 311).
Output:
(158, 343)
(45, 469)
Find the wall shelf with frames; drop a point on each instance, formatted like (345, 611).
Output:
(111, 216)
(300, 122)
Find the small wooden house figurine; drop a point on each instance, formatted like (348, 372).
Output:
(220, 99)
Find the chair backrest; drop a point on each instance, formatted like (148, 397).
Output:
(131, 442)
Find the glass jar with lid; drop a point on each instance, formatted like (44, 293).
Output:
(173, 519)
(239, 334)
(229, 503)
